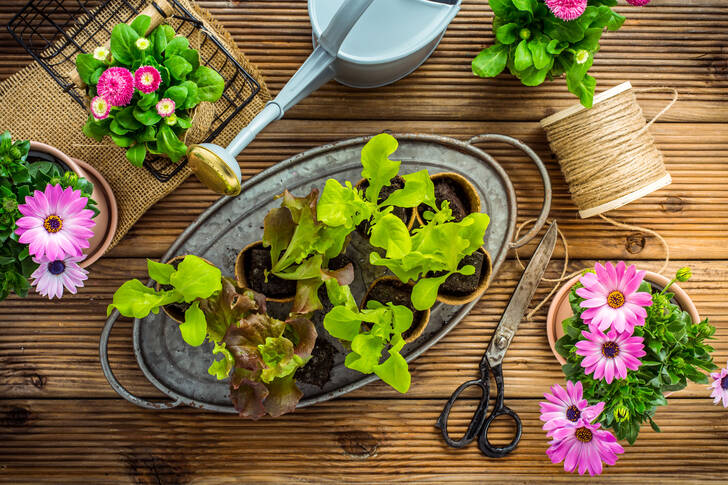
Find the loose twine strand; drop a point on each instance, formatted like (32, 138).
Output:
(596, 173)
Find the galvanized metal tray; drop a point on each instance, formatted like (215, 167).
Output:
(180, 371)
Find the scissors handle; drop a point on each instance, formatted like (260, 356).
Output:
(476, 423)
(499, 409)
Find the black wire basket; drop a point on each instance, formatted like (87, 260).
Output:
(54, 32)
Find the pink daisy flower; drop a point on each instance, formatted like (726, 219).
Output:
(609, 356)
(165, 107)
(638, 3)
(566, 407)
(584, 446)
(147, 79)
(52, 276)
(100, 108)
(720, 386)
(566, 9)
(55, 223)
(612, 299)
(116, 85)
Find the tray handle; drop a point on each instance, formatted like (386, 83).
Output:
(115, 384)
(544, 177)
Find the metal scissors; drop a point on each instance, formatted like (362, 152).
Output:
(493, 359)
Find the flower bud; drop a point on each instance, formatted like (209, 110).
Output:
(525, 34)
(55, 181)
(101, 53)
(171, 120)
(581, 56)
(621, 413)
(70, 179)
(9, 205)
(142, 43)
(15, 153)
(683, 274)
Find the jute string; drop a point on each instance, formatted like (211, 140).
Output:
(605, 153)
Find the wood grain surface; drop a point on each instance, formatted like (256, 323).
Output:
(60, 422)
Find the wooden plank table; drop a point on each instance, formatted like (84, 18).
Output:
(60, 421)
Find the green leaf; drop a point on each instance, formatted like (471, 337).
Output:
(279, 358)
(501, 8)
(123, 39)
(541, 57)
(159, 41)
(194, 329)
(141, 24)
(425, 291)
(126, 120)
(193, 95)
(147, 118)
(96, 130)
(491, 61)
(564, 31)
(533, 76)
(133, 299)
(86, 65)
(147, 101)
(556, 47)
(221, 368)
(395, 372)
(590, 41)
(522, 58)
(615, 23)
(391, 234)
(525, 5)
(377, 168)
(584, 89)
(178, 66)
(122, 141)
(169, 144)
(160, 272)
(418, 189)
(195, 278)
(176, 46)
(178, 94)
(341, 205)
(278, 228)
(210, 84)
(342, 323)
(508, 33)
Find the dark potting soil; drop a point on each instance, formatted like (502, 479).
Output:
(396, 184)
(447, 189)
(461, 285)
(399, 294)
(256, 262)
(336, 263)
(317, 371)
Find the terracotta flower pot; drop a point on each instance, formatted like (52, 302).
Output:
(472, 199)
(108, 217)
(240, 273)
(560, 308)
(417, 326)
(483, 282)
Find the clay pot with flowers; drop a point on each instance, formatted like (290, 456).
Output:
(144, 90)
(627, 346)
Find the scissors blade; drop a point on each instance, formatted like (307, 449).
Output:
(521, 298)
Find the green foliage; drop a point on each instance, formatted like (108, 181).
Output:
(19, 179)
(535, 45)
(676, 353)
(137, 127)
(381, 332)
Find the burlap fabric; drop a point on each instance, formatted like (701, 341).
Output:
(35, 107)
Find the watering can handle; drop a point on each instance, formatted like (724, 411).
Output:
(544, 177)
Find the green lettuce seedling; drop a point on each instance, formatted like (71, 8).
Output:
(384, 327)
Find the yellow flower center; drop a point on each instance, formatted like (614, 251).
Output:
(583, 434)
(615, 299)
(53, 224)
(147, 79)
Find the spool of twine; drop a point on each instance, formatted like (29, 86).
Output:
(608, 158)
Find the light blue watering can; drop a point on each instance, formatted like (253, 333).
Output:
(360, 43)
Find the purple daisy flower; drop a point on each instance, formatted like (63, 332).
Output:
(52, 276)
(165, 107)
(566, 407)
(612, 299)
(567, 9)
(147, 79)
(100, 108)
(584, 447)
(609, 356)
(720, 386)
(55, 223)
(116, 85)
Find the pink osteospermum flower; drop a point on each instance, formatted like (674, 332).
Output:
(567, 9)
(147, 79)
(52, 276)
(609, 356)
(55, 223)
(638, 3)
(565, 407)
(116, 85)
(165, 107)
(100, 108)
(612, 299)
(584, 447)
(720, 386)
